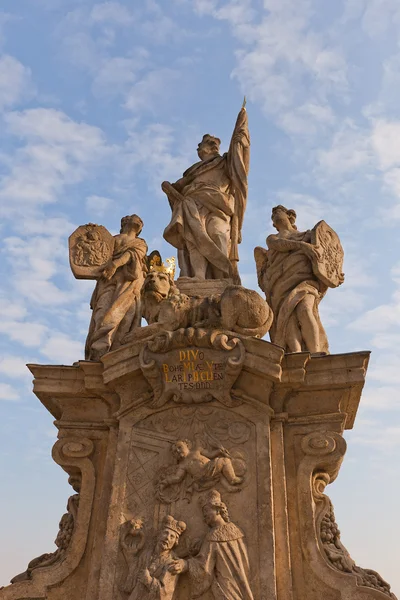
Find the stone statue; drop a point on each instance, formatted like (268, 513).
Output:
(154, 579)
(208, 205)
(132, 543)
(222, 564)
(116, 299)
(295, 273)
(201, 466)
(164, 307)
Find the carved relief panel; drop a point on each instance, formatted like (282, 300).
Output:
(197, 466)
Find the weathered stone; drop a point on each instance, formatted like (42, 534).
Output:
(295, 273)
(159, 481)
(208, 205)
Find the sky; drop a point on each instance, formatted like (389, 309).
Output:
(102, 101)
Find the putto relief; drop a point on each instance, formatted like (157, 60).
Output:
(199, 466)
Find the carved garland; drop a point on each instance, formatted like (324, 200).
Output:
(73, 455)
(324, 453)
(330, 542)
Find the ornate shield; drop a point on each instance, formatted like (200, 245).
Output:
(90, 248)
(328, 259)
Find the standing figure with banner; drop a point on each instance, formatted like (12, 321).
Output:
(295, 273)
(208, 205)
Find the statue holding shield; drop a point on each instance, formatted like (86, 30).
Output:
(295, 273)
(208, 205)
(118, 263)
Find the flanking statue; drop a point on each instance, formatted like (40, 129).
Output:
(208, 204)
(118, 263)
(295, 273)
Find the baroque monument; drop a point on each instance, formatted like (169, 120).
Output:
(198, 451)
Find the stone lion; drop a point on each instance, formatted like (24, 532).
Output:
(165, 308)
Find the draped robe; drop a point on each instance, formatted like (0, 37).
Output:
(116, 302)
(222, 565)
(213, 188)
(287, 278)
(161, 583)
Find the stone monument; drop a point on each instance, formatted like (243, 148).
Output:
(199, 452)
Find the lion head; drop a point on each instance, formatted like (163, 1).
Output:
(157, 287)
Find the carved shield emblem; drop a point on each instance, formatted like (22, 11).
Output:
(90, 248)
(328, 260)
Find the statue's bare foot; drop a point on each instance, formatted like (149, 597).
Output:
(236, 480)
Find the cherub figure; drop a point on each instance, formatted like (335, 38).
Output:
(203, 468)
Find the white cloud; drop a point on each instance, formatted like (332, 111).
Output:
(152, 89)
(288, 64)
(7, 392)
(111, 12)
(350, 150)
(385, 397)
(57, 152)
(160, 153)
(15, 82)
(24, 332)
(116, 74)
(14, 367)
(379, 16)
(385, 140)
(60, 348)
(98, 205)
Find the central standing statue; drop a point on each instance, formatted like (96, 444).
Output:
(208, 205)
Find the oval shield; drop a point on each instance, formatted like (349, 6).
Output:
(90, 248)
(328, 259)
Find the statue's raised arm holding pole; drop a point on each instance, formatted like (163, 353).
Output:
(208, 205)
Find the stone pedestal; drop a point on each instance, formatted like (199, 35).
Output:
(263, 429)
(204, 288)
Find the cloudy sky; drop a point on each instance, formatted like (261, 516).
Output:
(100, 102)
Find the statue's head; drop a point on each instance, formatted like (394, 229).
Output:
(181, 448)
(214, 510)
(131, 223)
(208, 147)
(157, 284)
(283, 218)
(169, 533)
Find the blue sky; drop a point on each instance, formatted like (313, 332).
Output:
(100, 102)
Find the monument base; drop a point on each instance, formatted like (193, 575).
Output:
(168, 438)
